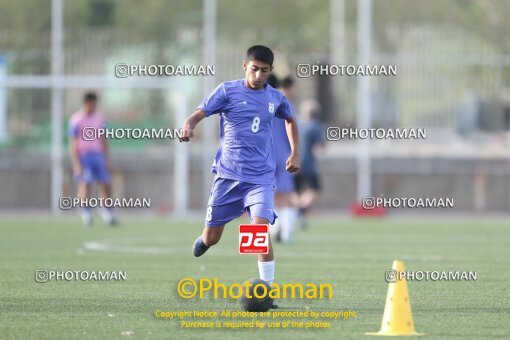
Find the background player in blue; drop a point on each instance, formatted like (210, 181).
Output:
(245, 162)
(285, 198)
(90, 157)
(311, 137)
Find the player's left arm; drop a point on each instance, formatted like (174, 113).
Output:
(293, 162)
(106, 151)
(284, 111)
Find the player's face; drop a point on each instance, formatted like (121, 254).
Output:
(89, 106)
(256, 73)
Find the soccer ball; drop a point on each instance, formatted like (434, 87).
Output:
(254, 304)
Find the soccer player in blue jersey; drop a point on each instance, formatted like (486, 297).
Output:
(312, 137)
(285, 197)
(245, 162)
(90, 157)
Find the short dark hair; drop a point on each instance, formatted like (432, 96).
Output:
(287, 82)
(260, 53)
(273, 81)
(90, 97)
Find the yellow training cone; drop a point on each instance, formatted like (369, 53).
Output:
(397, 318)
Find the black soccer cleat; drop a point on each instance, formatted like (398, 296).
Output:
(199, 247)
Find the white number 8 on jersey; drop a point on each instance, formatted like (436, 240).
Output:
(208, 215)
(255, 125)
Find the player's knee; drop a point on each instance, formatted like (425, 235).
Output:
(266, 257)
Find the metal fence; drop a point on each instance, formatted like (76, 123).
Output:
(451, 80)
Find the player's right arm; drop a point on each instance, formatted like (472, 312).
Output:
(214, 103)
(75, 158)
(189, 125)
(73, 134)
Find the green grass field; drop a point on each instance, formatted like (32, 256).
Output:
(352, 255)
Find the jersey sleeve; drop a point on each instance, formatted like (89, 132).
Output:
(215, 102)
(284, 110)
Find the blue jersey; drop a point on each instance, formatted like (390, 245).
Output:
(246, 151)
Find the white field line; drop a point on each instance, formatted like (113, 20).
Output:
(110, 246)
